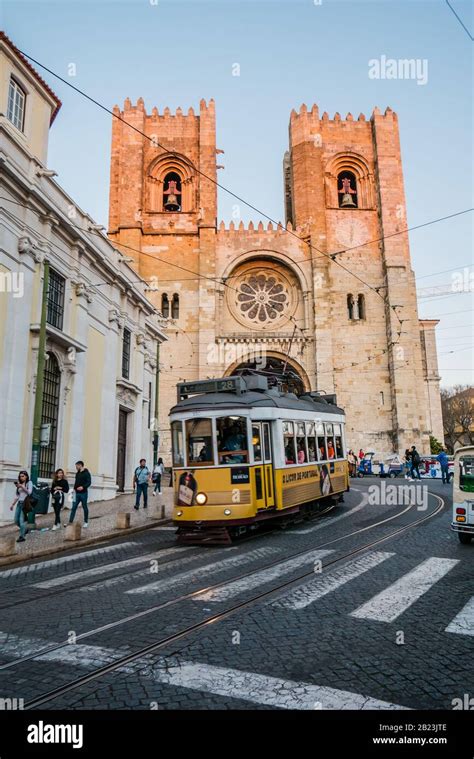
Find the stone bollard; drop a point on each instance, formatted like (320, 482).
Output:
(123, 520)
(154, 512)
(7, 546)
(73, 531)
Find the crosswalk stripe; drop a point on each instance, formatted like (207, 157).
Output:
(63, 560)
(332, 520)
(202, 572)
(260, 578)
(326, 583)
(262, 689)
(94, 571)
(131, 577)
(220, 681)
(463, 623)
(387, 605)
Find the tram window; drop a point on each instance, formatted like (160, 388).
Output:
(466, 473)
(256, 443)
(177, 443)
(311, 440)
(321, 441)
(289, 442)
(331, 453)
(338, 441)
(266, 443)
(301, 443)
(232, 436)
(199, 442)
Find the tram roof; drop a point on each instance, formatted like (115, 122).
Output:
(253, 399)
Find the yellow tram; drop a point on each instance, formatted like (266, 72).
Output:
(245, 453)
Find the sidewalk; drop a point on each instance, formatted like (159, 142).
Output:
(102, 518)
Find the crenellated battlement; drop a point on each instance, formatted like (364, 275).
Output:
(312, 115)
(259, 228)
(204, 108)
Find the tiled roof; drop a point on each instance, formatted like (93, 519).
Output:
(4, 38)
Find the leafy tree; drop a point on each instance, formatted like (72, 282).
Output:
(435, 446)
(457, 404)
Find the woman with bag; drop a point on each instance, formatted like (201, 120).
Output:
(24, 489)
(158, 472)
(59, 487)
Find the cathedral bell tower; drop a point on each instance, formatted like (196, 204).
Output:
(162, 215)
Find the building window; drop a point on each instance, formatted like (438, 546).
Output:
(350, 306)
(55, 309)
(49, 415)
(172, 192)
(16, 105)
(347, 190)
(126, 340)
(175, 306)
(165, 306)
(355, 309)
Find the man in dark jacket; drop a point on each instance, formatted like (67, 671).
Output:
(415, 463)
(82, 484)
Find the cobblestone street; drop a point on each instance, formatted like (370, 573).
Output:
(349, 611)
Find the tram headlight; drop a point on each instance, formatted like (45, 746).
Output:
(179, 513)
(201, 499)
(227, 512)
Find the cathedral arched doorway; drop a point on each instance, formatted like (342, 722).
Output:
(280, 370)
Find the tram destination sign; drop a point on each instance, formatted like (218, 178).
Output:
(223, 385)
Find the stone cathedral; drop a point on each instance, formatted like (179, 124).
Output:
(328, 300)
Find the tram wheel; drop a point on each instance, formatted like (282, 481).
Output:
(464, 538)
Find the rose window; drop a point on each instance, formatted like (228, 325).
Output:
(262, 298)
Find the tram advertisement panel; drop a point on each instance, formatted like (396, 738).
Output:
(187, 488)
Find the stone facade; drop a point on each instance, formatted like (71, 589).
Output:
(348, 325)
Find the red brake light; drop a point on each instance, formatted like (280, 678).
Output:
(460, 510)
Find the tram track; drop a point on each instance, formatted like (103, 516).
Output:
(88, 582)
(214, 618)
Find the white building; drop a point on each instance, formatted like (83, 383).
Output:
(102, 331)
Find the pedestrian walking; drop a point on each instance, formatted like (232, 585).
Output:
(59, 487)
(82, 484)
(141, 478)
(415, 463)
(442, 457)
(158, 472)
(352, 460)
(407, 459)
(24, 489)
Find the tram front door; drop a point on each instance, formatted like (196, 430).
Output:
(263, 470)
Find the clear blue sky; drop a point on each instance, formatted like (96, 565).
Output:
(174, 53)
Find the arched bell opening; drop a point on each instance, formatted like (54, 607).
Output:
(172, 192)
(347, 189)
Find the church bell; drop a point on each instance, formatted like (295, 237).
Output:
(347, 201)
(172, 203)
